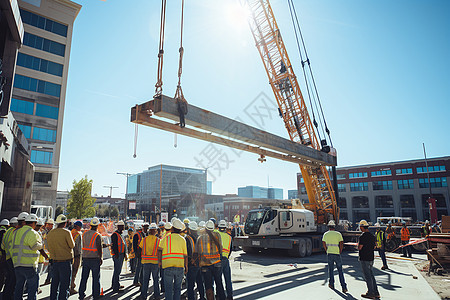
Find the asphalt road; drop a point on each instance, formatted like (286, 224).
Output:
(276, 276)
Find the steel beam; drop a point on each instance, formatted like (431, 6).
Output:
(225, 131)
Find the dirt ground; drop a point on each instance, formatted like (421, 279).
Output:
(439, 283)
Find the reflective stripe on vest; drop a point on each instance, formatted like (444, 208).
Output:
(22, 255)
(90, 249)
(380, 238)
(204, 250)
(226, 243)
(6, 242)
(150, 257)
(120, 243)
(404, 232)
(168, 248)
(75, 233)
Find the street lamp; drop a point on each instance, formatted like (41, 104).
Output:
(126, 192)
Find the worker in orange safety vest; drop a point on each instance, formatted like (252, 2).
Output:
(405, 234)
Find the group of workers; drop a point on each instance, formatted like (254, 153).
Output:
(168, 252)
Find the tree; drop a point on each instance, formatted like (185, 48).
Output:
(80, 203)
(114, 212)
(59, 210)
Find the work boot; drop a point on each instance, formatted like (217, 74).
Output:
(209, 294)
(344, 290)
(368, 296)
(331, 286)
(73, 291)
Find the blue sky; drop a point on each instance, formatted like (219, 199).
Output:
(381, 67)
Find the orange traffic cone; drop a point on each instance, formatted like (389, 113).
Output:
(101, 293)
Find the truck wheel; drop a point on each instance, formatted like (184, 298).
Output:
(308, 247)
(422, 247)
(391, 245)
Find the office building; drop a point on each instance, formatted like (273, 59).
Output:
(40, 82)
(391, 189)
(260, 192)
(292, 194)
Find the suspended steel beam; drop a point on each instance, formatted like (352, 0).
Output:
(209, 126)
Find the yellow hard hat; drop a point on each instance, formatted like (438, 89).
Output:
(363, 223)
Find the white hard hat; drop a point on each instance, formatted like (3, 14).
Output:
(363, 223)
(138, 227)
(22, 216)
(13, 221)
(61, 219)
(178, 224)
(31, 218)
(95, 221)
(193, 225)
(50, 221)
(427, 222)
(40, 222)
(167, 226)
(153, 226)
(202, 224)
(161, 223)
(331, 223)
(223, 224)
(120, 223)
(145, 224)
(210, 225)
(4, 222)
(171, 220)
(377, 224)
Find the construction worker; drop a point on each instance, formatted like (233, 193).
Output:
(201, 226)
(91, 254)
(366, 246)
(172, 257)
(41, 260)
(381, 245)
(226, 251)
(333, 243)
(405, 235)
(48, 226)
(426, 229)
(209, 248)
(24, 252)
(76, 235)
(10, 280)
(390, 231)
(140, 234)
(4, 226)
(149, 260)
(193, 275)
(161, 229)
(167, 231)
(60, 244)
(118, 253)
(130, 251)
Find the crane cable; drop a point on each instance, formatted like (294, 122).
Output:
(310, 69)
(159, 82)
(179, 97)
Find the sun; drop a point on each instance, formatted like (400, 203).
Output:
(237, 15)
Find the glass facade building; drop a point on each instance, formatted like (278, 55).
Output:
(260, 192)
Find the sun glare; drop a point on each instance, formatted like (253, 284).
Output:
(237, 15)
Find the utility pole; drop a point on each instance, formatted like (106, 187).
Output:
(431, 200)
(126, 192)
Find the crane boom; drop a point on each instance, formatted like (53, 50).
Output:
(292, 107)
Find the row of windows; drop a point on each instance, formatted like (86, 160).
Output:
(381, 173)
(41, 157)
(405, 184)
(43, 23)
(341, 187)
(382, 185)
(41, 134)
(27, 107)
(386, 201)
(357, 175)
(435, 182)
(359, 186)
(39, 64)
(430, 169)
(44, 44)
(387, 185)
(404, 171)
(36, 85)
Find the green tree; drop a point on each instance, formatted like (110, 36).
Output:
(81, 204)
(114, 212)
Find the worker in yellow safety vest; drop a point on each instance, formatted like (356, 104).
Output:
(172, 257)
(166, 232)
(405, 235)
(149, 260)
(380, 238)
(24, 250)
(131, 256)
(76, 235)
(226, 251)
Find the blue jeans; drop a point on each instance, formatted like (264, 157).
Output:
(172, 282)
(194, 276)
(139, 274)
(90, 264)
(367, 268)
(147, 270)
(118, 262)
(226, 271)
(31, 277)
(213, 273)
(61, 276)
(382, 254)
(336, 259)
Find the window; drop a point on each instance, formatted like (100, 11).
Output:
(382, 185)
(41, 157)
(43, 178)
(405, 184)
(407, 201)
(381, 173)
(340, 176)
(35, 85)
(21, 106)
(404, 171)
(359, 186)
(357, 175)
(430, 169)
(384, 202)
(47, 111)
(43, 134)
(43, 44)
(38, 64)
(43, 23)
(26, 130)
(435, 182)
(360, 202)
(341, 187)
(342, 202)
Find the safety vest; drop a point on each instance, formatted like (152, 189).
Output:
(6, 241)
(130, 246)
(75, 233)
(120, 243)
(150, 250)
(208, 249)
(226, 243)
(24, 239)
(174, 250)
(89, 245)
(404, 232)
(380, 238)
